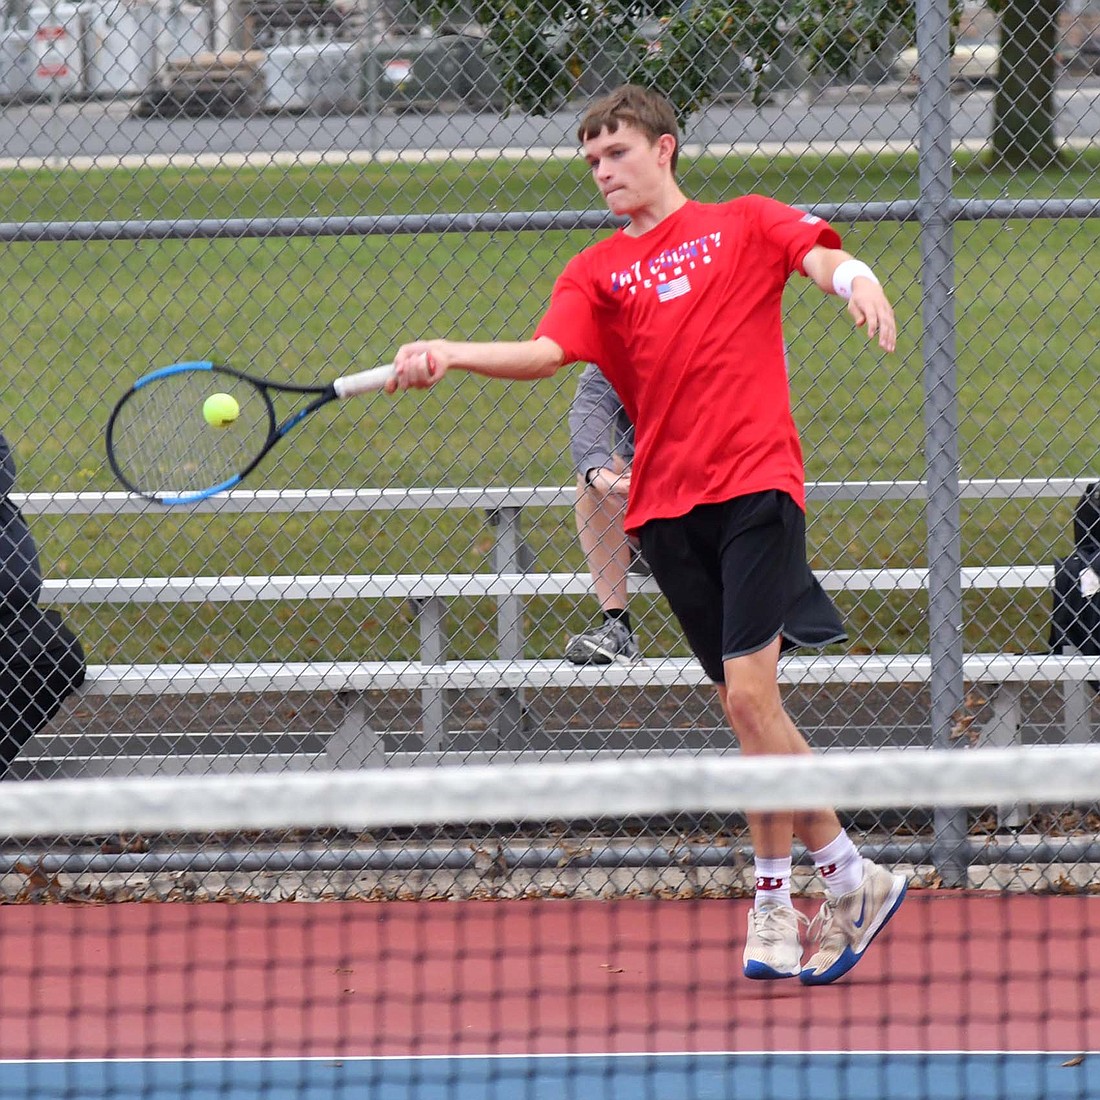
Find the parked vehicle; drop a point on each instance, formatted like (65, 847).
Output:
(973, 64)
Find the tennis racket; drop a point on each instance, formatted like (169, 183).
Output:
(161, 445)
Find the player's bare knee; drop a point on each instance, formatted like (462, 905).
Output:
(754, 711)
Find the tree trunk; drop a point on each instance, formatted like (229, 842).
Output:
(1023, 107)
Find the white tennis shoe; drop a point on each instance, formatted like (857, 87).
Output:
(773, 947)
(845, 926)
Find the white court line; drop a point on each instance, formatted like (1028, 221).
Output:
(619, 1054)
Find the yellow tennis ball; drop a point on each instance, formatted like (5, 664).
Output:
(219, 410)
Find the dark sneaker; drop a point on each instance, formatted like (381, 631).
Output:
(602, 645)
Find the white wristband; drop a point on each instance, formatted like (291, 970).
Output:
(846, 272)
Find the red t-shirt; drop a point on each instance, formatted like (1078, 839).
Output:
(686, 323)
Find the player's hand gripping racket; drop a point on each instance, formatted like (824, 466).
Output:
(188, 431)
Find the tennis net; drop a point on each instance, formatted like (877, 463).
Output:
(546, 930)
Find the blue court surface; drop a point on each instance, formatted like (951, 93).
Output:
(717, 1076)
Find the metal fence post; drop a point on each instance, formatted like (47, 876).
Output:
(936, 215)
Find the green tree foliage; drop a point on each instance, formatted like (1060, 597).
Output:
(829, 38)
(548, 50)
(688, 50)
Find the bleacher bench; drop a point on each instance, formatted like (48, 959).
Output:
(1002, 676)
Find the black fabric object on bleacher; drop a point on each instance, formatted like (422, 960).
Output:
(1075, 621)
(41, 660)
(1086, 519)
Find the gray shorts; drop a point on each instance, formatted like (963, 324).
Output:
(598, 424)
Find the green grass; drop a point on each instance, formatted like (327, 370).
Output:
(81, 320)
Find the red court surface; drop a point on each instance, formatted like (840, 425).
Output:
(953, 971)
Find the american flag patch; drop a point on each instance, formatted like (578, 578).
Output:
(674, 288)
(809, 219)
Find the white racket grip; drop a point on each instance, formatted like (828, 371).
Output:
(366, 381)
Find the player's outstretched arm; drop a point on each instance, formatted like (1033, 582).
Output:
(838, 272)
(423, 363)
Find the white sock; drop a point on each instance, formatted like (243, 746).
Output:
(773, 881)
(840, 865)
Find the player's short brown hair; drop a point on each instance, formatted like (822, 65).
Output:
(645, 110)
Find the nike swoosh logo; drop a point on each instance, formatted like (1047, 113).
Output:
(858, 923)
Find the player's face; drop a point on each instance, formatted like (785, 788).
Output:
(629, 169)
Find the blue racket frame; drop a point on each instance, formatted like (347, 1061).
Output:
(276, 430)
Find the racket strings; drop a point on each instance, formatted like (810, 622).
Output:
(163, 444)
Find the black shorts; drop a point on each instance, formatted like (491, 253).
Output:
(736, 577)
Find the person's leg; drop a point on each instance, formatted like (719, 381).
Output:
(860, 896)
(755, 711)
(761, 562)
(734, 574)
(754, 708)
(607, 552)
(685, 556)
(604, 542)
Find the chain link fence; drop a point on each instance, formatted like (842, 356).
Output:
(298, 186)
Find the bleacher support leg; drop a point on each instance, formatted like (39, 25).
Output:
(1003, 731)
(509, 556)
(1077, 708)
(433, 651)
(355, 744)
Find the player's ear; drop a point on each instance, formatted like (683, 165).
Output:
(666, 149)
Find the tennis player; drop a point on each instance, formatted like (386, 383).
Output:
(682, 311)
